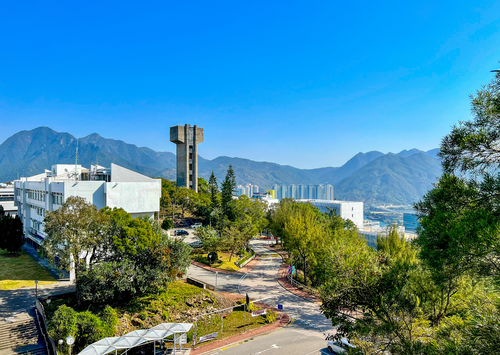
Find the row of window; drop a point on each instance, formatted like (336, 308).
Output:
(36, 195)
(38, 210)
(36, 225)
(57, 198)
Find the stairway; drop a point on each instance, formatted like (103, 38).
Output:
(20, 334)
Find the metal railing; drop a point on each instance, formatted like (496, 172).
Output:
(49, 342)
(301, 286)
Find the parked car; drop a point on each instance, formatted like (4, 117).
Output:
(196, 225)
(181, 232)
(339, 346)
(196, 244)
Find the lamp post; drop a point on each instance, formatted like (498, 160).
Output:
(60, 342)
(70, 341)
(216, 273)
(36, 289)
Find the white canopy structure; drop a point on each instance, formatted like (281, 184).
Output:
(136, 338)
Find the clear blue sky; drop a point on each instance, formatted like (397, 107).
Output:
(303, 83)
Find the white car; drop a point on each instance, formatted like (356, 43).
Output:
(339, 346)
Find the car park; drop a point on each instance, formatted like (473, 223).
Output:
(340, 346)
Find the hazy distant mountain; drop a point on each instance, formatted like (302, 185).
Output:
(370, 177)
(28, 153)
(394, 178)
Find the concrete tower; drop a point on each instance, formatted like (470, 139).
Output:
(187, 138)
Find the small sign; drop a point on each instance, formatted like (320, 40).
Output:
(183, 339)
(70, 340)
(260, 312)
(280, 307)
(208, 337)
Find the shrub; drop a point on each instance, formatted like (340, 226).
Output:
(164, 315)
(90, 329)
(167, 224)
(63, 323)
(252, 307)
(110, 321)
(214, 257)
(270, 316)
(143, 315)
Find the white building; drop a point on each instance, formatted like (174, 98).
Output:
(115, 187)
(7, 200)
(345, 209)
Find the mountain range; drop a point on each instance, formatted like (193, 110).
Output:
(372, 177)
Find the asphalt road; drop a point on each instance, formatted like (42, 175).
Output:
(306, 334)
(287, 341)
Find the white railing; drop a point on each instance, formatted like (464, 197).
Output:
(301, 286)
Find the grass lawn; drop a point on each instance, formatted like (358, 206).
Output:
(223, 263)
(21, 271)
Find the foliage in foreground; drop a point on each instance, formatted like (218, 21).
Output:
(440, 294)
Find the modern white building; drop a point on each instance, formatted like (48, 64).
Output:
(7, 200)
(345, 209)
(112, 187)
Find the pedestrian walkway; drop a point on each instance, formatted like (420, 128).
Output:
(283, 281)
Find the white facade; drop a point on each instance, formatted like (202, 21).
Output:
(115, 187)
(7, 200)
(345, 209)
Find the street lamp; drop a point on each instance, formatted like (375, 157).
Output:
(70, 341)
(36, 289)
(60, 342)
(216, 273)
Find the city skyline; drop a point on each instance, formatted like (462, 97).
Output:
(306, 86)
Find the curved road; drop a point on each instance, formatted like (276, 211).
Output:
(305, 336)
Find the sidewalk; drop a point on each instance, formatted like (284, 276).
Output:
(283, 281)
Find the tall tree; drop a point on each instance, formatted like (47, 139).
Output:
(213, 189)
(75, 231)
(472, 146)
(228, 188)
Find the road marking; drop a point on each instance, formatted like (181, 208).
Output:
(320, 350)
(274, 346)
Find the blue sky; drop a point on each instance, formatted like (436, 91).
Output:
(307, 84)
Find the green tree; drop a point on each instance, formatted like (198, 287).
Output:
(11, 233)
(210, 240)
(203, 187)
(472, 146)
(63, 323)
(213, 189)
(395, 247)
(233, 239)
(228, 188)
(75, 231)
(167, 224)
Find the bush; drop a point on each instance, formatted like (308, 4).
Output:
(252, 307)
(110, 321)
(143, 315)
(270, 316)
(214, 257)
(90, 329)
(167, 224)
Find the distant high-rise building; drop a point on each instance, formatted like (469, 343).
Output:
(187, 139)
(255, 188)
(292, 191)
(328, 192)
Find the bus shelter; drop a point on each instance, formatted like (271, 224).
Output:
(138, 337)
